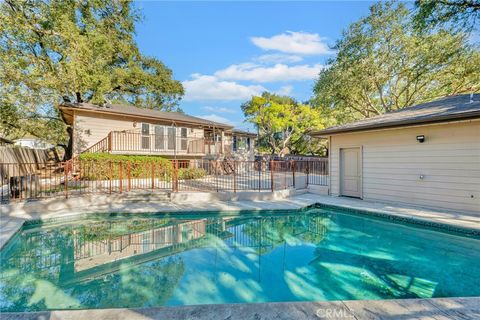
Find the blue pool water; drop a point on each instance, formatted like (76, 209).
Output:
(307, 255)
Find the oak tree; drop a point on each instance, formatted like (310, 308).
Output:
(78, 51)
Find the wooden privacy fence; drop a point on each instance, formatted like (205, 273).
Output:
(77, 177)
(27, 156)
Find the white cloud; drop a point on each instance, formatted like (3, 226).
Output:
(218, 109)
(216, 118)
(206, 87)
(285, 90)
(278, 72)
(278, 58)
(294, 42)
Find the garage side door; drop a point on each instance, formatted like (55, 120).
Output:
(351, 172)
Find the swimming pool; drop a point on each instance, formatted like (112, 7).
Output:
(185, 259)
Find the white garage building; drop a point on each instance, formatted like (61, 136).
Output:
(427, 155)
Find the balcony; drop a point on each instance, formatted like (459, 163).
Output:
(137, 143)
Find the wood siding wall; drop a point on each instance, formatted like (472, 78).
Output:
(93, 127)
(393, 162)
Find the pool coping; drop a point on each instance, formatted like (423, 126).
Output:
(408, 220)
(438, 308)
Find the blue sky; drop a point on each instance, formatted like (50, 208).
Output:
(223, 52)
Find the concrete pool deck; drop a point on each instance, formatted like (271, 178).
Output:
(13, 216)
(438, 308)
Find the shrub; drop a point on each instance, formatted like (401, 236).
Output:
(191, 173)
(103, 166)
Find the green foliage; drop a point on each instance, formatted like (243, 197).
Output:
(283, 123)
(191, 173)
(383, 65)
(105, 166)
(80, 51)
(456, 14)
(105, 156)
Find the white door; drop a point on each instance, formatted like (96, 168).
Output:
(171, 138)
(351, 172)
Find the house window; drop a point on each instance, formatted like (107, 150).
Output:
(248, 144)
(241, 143)
(159, 137)
(145, 136)
(145, 128)
(171, 138)
(183, 139)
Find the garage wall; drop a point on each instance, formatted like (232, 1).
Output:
(393, 162)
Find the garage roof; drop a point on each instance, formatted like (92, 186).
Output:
(458, 107)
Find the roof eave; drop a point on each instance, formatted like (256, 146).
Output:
(398, 124)
(76, 108)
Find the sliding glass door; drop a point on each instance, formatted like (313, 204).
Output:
(172, 143)
(183, 139)
(159, 137)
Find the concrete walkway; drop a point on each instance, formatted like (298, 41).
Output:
(440, 308)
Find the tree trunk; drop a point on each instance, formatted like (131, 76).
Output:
(79, 97)
(69, 146)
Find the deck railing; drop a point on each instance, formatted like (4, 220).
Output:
(138, 143)
(77, 177)
(101, 146)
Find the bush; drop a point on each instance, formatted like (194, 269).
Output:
(103, 166)
(104, 156)
(191, 173)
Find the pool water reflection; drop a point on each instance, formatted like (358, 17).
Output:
(309, 255)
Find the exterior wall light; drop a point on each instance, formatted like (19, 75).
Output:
(421, 138)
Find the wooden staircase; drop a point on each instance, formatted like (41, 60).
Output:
(104, 145)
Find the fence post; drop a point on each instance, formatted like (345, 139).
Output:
(216, 171)
(65, 171)
(271, 175)
(110, 182)
(120, 174)
(308, 172)
(293, 173)
(174, 176)
(153, 175)
(234, 176)
(259, 175)
(129, 176)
